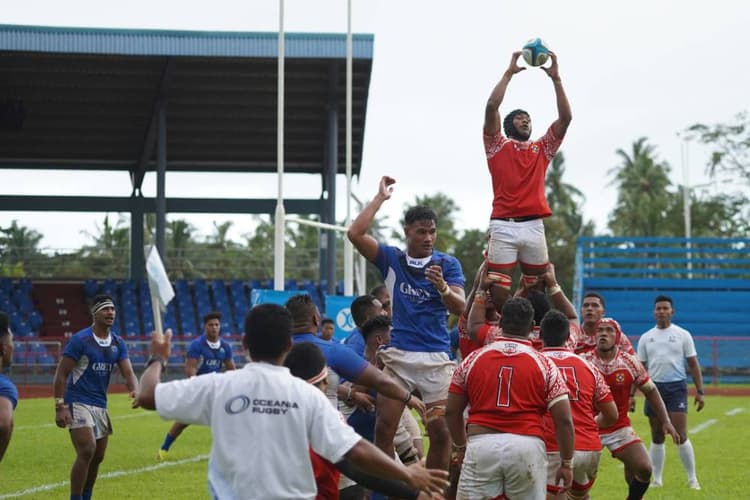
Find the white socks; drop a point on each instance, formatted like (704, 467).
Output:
(687, 456)
(658, 454)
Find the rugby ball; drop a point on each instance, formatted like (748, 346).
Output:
(535, 52)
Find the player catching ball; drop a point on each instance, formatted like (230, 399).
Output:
(518, 166)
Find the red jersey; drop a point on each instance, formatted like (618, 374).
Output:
(326, 477)
(509, 386)
(518, 170)
(586, 343)
(620, 373)
(491, 333)
(586, 388)
(465, 344)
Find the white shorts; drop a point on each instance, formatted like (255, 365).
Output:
(585, 467)
(503, 464)
(619, 439)
(83, 415)
(428, 372)
(523, 242)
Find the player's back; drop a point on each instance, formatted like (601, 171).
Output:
(586, 388)
(509, 386)
(620, 373)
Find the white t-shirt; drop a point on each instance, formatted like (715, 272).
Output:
(263, 422)
(663, 352)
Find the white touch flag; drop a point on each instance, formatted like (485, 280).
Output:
(158, 281)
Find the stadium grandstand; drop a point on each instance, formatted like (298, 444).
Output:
(707, 278)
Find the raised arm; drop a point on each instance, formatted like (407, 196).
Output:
(564, 114)
(491, 113)
(159, 351)
(557, 296)
(357, 232)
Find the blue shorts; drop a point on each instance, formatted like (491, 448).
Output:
(674, 395)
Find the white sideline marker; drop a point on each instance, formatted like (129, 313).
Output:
(734, 411)
(117, 473)
(119, 417)
(705, 425)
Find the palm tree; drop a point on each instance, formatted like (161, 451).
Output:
(643, 198)
(19, 245)
(564, 199)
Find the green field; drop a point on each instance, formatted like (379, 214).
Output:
(38, 460)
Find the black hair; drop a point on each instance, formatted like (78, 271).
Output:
(212, 315)
(377, 290)
(540, 303)
(508, 127)
(305, 360)
(663, 298)
(4, 324)
(376, 324)
(302, 308)
(268, 332)
(419, 213)
(517, 316)
(325, 321)
(554, 329)
(596, 296)
(363, 308)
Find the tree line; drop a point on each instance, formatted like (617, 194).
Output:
(648, 204)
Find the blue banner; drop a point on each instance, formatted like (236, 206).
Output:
(338, 309)
(260, 296)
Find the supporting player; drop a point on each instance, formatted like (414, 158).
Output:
(518, 167)
(264, 421)
(588, 394)
(664, 350)
(508, 386)
(380, 292)
(209, 353)
(80, 390)
(592, 311)
(424, 285)
(8, 391)
(622, 371)
(363, 308)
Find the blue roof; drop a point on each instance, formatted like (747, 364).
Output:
(137, 42)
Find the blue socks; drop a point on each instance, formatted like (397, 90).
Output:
(168, 440)
(86, 495)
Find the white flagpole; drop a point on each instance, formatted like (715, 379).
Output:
(348, 248)
(157, 312)
(278, 263)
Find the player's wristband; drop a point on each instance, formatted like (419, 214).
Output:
(555, 290)
(699, 391)
(154, 359)
(59, 402)
(408, 398)
(567, 463)
(458, 448)
(445, 291)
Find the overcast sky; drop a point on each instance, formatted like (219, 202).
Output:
(630, 69)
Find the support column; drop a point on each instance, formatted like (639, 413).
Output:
(332, 142)
(137, 258)
(161, 175)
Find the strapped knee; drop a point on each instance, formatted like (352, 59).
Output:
(500, 278)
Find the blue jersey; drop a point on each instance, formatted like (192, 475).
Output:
(356, 342)
(419, 315)
(211, 360)
(95, 360)
(8, 390)
(344, 361)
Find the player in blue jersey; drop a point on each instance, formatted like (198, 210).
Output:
(363, 309)
(425, 285)
(343, 361)
(80, 390)
(8, 391)
(209, 353)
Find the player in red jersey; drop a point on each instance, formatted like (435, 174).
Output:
(589, 394)
(592, 311)
(518, 167)
(466, 344)
(508, 386)
(622, 371)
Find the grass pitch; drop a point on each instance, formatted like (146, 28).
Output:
(37, 463)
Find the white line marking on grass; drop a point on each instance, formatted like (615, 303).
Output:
(119, 417)
(705, 425)
(734, 411)
(108, 475)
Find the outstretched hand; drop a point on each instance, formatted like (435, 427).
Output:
(553, 70)
(161, 344)
(385, 189)
(514, 68)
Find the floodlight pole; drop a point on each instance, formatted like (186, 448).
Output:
(348, 247)
(278, 262)
(686, 192)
